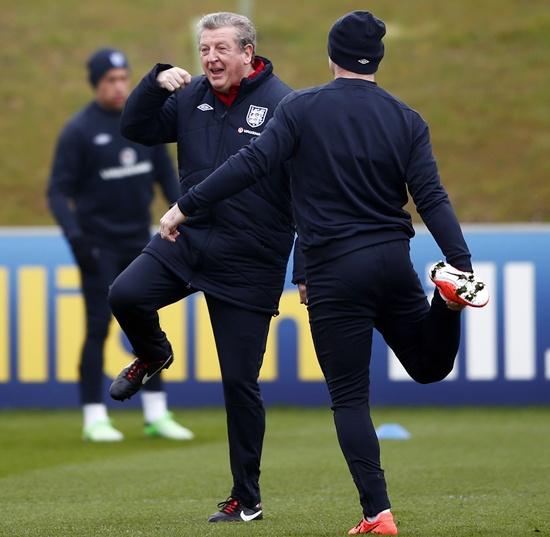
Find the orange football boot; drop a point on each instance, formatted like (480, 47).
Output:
(383, 525)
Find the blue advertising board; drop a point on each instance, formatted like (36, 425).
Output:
(504, 356)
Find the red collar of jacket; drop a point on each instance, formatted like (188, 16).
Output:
(229, 98)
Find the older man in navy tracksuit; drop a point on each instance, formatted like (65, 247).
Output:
(353, 151)
(235, 252)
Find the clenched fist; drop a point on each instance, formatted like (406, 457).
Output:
(173, 79)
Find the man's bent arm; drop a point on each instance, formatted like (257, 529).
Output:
(150, 115)
(432, 202)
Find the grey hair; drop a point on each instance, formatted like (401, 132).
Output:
(246, 32)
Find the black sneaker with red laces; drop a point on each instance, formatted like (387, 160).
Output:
(135, 375)
(232, 510)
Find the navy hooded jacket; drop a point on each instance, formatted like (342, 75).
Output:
(355, 152)
(237, 250)
(101, 185)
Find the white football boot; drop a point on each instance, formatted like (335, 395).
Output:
(457, 287)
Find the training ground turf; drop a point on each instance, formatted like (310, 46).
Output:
(465, 472)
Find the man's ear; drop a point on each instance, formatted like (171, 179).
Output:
(249, 52)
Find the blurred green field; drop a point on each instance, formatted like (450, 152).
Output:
(477, 71)
(465, 472)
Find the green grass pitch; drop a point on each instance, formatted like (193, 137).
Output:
(465, 472)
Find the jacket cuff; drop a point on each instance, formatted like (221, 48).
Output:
(186, 205)
(462, 262)
(159, 67)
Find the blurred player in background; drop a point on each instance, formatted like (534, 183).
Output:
(100, 191)
(236, 252)
(354, 150)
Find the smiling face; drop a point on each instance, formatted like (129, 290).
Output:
(223, 60)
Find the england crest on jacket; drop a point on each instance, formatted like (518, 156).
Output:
(256, 115)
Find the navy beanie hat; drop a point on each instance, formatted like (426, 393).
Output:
(102, 60)
(355, 42)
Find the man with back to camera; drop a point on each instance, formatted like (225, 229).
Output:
(100, 191)
(353, 151)
(235, 253)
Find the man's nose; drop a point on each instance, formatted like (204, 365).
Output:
(212, 55)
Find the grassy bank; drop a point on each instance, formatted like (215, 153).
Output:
(477, 71)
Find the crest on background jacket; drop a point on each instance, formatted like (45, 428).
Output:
(256, 115)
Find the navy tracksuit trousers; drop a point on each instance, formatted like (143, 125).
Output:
(374, 287)
(95, 288)
(240, 335)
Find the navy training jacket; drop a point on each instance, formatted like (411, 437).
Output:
(354, 152)
(237, 250)
(101, 185)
